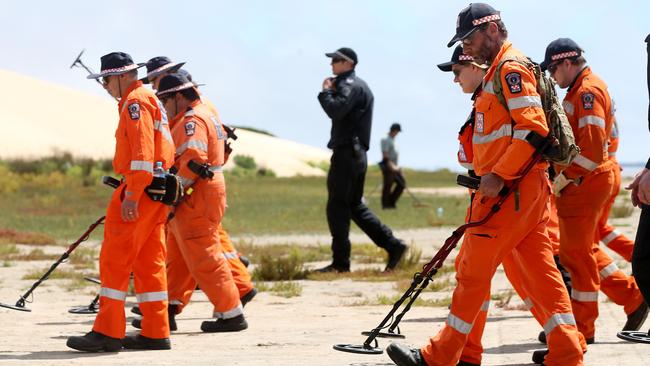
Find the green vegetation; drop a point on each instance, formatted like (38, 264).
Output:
(390, 300)
(290, 267)
(622, 208)
(283, 289)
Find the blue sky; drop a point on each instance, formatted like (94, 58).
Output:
(263, 61)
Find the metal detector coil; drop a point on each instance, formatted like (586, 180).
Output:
(359, 348)
(634, 336)
(93, 307)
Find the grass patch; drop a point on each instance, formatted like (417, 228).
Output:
(621, 209)
(501, 299)
(8, 236)
(83, 258)
(7, 250)
(34, 255)
(289, 267)
(283, 289)
(7, 264)
(58, 274)
(390, 300)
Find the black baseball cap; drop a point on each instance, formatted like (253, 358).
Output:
(114, 63)
(560, 49)
(345, 53)
(396, 127)
(457, 57)
(470, 18)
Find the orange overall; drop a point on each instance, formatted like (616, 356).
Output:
(194, 250)
(589, 109)
(499, 147)
(607, 234)
(142, 138)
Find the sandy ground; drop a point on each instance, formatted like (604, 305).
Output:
(282, 331)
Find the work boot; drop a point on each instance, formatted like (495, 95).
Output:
(405, 356)
(395, 254)
(248, 297)
(333, 268)
(244, 260)
(465, 363)
(141, 342)
(542, 338)
(225, 325)
(540, 354)
(136, 310)
(171, 315)
(637, 317)
(94, 342)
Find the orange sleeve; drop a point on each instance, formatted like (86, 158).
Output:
(139, 126)
(591, 134)
(525, 108)
(192, 145)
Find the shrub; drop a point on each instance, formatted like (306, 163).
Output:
(245, 162)
(284, 268)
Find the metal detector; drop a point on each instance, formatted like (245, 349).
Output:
(630, 335)
(78, 63)
(421, 279)
(93, 307)
(20, 304)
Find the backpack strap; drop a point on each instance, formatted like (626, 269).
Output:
(496, 80)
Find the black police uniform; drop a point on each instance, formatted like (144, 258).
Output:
(349, 104)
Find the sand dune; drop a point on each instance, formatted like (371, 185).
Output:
(83, 124)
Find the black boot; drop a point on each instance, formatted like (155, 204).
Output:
(225, 325)
(465, 363)
(333, 268)
(248, 297)
(171, 315)
(635, 319)
(405, 356)
(136, 310)
(395, 255)
(142, 342)
(542, 338)
(94, 342)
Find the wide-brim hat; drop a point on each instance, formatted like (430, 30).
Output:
(173, 83)
(115, 63)
(159, 65)
(457, 57)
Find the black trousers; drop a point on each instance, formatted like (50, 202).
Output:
(394, 184)
(641, 254)
(345, 182)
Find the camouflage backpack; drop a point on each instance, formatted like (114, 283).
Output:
(562, 148)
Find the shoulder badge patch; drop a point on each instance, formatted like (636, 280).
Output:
(587, 101)
(190, 128)
(513, 79)
(479, 122)
(134, 110)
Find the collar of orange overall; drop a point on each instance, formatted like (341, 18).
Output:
(578, 80)
(507, 45)
(134, 85)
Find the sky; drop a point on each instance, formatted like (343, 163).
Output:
(263, 62)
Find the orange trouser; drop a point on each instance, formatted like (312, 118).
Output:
(139, 248)
(606, 233)
(195, 254)
(553, 226)
(579, 209)
(485, 247)
(238, 270)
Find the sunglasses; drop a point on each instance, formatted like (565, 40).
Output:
(553, 67)
(165, 98)
(336, 60)
(106, 80)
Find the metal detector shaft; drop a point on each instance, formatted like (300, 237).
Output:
(64, 256)
(431, 268)
(78, 62)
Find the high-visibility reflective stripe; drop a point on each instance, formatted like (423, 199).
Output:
(459, 324)
(175, 302)
(608, 271)
(239, 310)
(585, 163)
(520, 134)
(112, 293)
(529, 303)
(160, 127)
(584, 296)
(231, 255)
(611, 236)
(146, 166)
(486, 305)
(558, 319)
(189, 113)
(568, 107)
(591, 120)
(503, 131)
(468, 166)
(151, 296)
(186, 182)
(215, 168)
(488, 87)
(614, 133)
(196, 144)
(524, 102)
(613, 153)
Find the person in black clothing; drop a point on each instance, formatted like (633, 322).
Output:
(348, 101)
(394, 182)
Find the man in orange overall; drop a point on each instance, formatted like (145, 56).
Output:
(134, 239)
(194, 250)
(157, 68)
(501, 152)
(584, 188)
